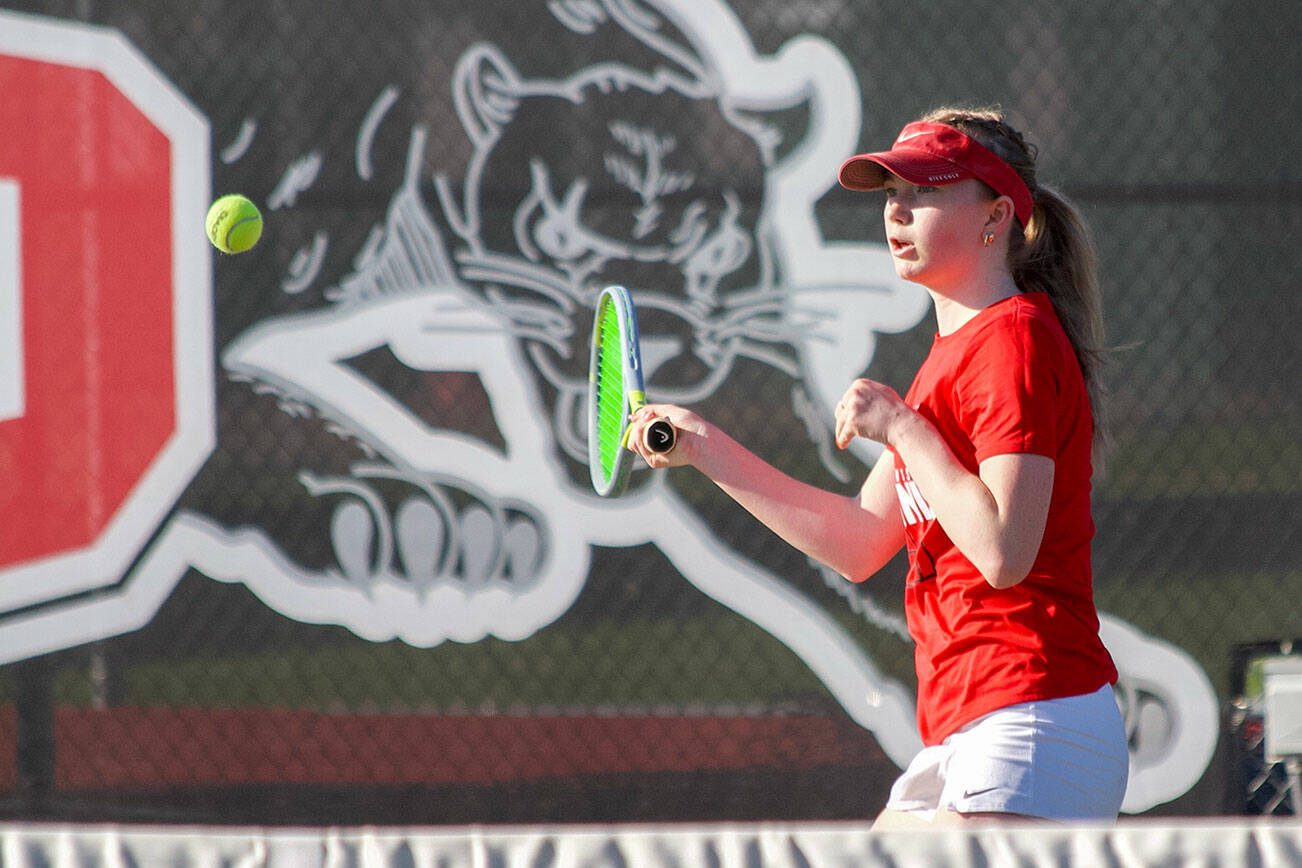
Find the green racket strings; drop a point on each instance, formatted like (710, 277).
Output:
(609, 390)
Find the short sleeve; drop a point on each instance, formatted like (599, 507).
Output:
(1009, 389)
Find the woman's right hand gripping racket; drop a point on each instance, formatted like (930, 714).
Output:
(615, 392)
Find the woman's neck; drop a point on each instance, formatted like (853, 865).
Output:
(955, 309)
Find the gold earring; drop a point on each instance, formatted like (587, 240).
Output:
(988, 239)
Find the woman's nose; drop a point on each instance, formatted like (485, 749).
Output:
(897, 211)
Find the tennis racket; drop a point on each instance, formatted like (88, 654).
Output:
(615, 392)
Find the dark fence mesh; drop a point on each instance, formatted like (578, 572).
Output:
(646, 697)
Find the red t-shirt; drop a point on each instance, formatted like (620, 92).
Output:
(1006, 382)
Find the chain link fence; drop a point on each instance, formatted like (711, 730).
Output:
(363, 130)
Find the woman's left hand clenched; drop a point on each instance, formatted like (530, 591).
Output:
(872, 410)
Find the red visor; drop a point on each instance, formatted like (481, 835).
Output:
(934, 155)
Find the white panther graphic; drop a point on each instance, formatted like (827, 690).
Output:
(640, 198)
(616, 173)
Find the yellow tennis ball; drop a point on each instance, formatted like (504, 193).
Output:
(234, 224)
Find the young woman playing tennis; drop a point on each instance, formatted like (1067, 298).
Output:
(985, 478)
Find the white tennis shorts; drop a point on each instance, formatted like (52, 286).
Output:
(1057, 759)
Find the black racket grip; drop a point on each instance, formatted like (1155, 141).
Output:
(660, 436)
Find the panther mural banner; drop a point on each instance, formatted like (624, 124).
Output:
(373, 584)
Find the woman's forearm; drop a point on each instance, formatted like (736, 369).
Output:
(843, 532)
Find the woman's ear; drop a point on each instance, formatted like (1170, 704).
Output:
(1001, 214)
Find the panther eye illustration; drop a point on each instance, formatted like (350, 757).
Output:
(554, 225)
(722, 253)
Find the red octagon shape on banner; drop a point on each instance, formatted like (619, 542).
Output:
(106, 400)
